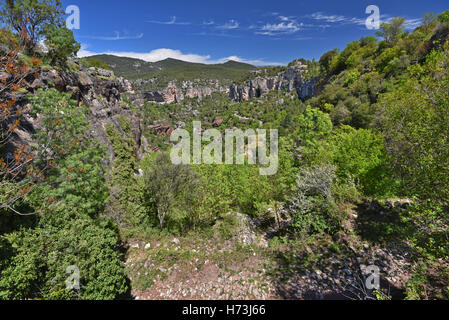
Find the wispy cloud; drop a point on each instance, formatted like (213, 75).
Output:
(114, 38)
(410, 23)
(288, 25)
(337, 19)
(328, 18)
(173, 21)
(276, 29)
(230, 25)
(221, 33)
(164, 53)
(209, 23)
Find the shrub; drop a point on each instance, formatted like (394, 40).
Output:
(444, 17)
(61, 43)
(37, 269)
(95, 63)
(174, 191)
(360, 156)
(312, 205)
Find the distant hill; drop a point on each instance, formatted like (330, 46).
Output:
(172, 69)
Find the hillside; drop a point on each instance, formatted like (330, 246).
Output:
(95, 206)
(172, 69)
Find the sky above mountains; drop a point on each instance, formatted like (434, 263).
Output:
(256, 32)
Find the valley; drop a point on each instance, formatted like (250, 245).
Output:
(358, 208)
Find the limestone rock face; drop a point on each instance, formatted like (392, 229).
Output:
(291, 80)
(102, 95)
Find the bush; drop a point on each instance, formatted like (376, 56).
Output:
(7, 37)
(37, 270)
(95, 63)
(66, 230)
(174, 192)
(61, 43)
(360, 156)
(312, 206)
(444, 17)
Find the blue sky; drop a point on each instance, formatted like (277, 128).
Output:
(210, 31)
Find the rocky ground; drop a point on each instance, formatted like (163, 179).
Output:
(248, 266)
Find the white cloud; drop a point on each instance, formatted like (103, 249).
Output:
(287, 26)
(338, 19)
(231, 24)
(410, 24)
(173, 21)
(282, 27)
(209, 23)
(114, 38)
(328, 18)
(164, 53)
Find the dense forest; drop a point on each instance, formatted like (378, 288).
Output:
(363, 174)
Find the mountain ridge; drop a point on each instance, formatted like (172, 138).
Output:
(171, 69)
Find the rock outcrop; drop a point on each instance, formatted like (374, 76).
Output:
(99, 90)
(292, 79)
(188, 89)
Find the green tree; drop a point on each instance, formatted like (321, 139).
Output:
(313, 127)
(75, 175)
(429, 18)
(416, 127)
(31, 17)
(95, 63)
(444, 17)
(67, 230)
(312, 205)
(360, 156)
(174, 190)
(392, 31)
(61, 43)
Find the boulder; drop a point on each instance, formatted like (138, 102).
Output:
(53, 77)
(84, 80)
(105, 73)
(217, 123)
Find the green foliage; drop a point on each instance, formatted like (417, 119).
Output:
(327, 58)
(312, 205)
(126, 189)
(444, 17)
(360, 156)
(68, 230)
(313, 127)
(238, 188)
(32, 16)
(174, 192)
(37, 267)
(352, 77)
(416, 128)
(92, 62)
(61, 43)
(7, 36)
(72, 158)
(391, 31)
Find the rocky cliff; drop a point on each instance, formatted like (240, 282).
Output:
(98, 89)
(292, 79)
